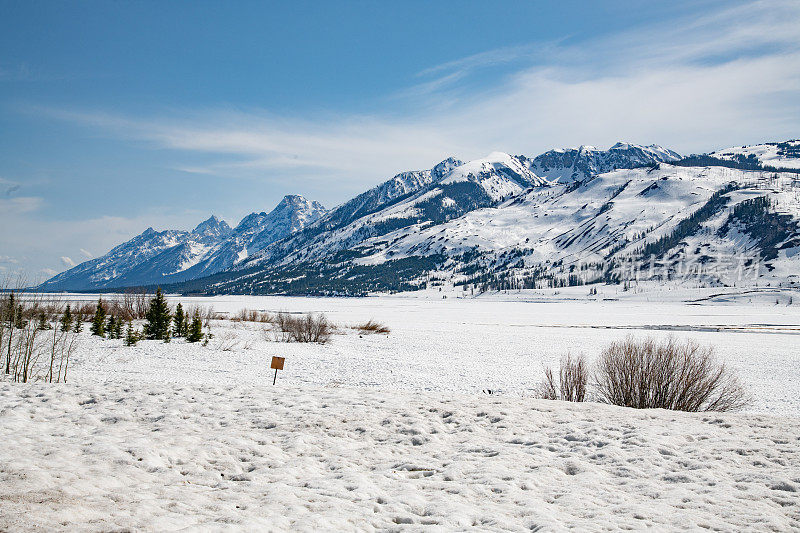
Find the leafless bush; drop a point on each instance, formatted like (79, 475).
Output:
(134, 303)
(667, 375)
(306, 328)
(122, 307)
(226, 341)
(206, 314)
(370, 326)
(571, 385)
(84, 312)
(252, 315)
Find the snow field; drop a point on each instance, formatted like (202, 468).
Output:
(391, 432)
(99, 457)
(455, 345)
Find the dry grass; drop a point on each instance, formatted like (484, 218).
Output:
(253, 315)
(371, 327)
(666, 375)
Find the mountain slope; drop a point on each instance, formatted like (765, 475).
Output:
(256, 231)
(125, 259)
(578, 164)
(447, 191)
(709, 225)
(173, 256)
(773, 154)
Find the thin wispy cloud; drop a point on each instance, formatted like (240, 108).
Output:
(20, 204)
(691, 84)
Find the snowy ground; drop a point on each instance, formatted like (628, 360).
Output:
(461, 345)
(172, 457)
(386, 431)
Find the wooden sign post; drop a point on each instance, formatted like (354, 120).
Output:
(277, 364)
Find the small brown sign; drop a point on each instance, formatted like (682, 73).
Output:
(277, 362)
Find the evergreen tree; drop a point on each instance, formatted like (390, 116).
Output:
(43, 323)
(131, 337)
(99, 320)
(158, 318)
(118, 329)
(66, 320)
(110, 327)
(195, 333)
(11, 306)
(181, 325)
(78, 324)
(19, 318)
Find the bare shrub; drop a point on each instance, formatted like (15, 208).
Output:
(571, 385)
(135, 303)
(252, 315)
(205, 313)
(371, 326)
(306, 328)
(33, 346)
(85, 311)
(667, 375)
(226, 341)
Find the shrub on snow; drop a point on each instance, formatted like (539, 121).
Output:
(667, 375)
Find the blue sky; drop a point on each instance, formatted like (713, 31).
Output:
(118, 116)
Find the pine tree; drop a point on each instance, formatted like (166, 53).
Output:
(131, 337)
(66, 320)
(98, 322)
(78, 324)
(158, 318)
(43, 323)
(180, 322)
(118, 329)
(19, 318)
(195, 333)
(110, 327)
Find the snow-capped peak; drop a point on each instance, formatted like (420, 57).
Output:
(445, 166)
(212, 226)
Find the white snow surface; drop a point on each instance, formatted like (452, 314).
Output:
(389, 432)
(772, 154)
(254, 458)
(464, 345)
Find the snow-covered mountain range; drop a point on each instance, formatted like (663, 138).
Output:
(565, 217)
(170, 256)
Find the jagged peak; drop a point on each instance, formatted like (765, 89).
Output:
(212, 224)
(446, 166)
(293, 199)
(622, 145)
